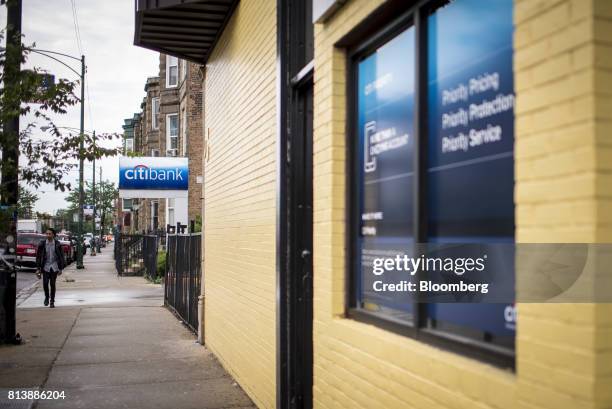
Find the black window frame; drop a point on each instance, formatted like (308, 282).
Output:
(363, 40)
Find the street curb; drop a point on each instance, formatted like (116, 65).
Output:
(25, 293)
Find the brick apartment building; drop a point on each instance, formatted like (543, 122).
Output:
(169, 124)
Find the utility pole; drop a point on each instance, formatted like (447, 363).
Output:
(93, 181)
(12, 69)
(102, 197)
(9, 183)
(81, 149)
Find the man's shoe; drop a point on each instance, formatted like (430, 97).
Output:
(46, 301)
(52, 305)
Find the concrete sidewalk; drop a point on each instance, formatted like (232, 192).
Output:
(110, 343)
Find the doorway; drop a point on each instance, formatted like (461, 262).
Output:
(295, 221)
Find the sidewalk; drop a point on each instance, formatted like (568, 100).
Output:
(109, 343)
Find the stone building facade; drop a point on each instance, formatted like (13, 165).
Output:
(170, 124)
(191, 126)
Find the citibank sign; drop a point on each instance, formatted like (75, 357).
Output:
(143, 172)
(139, 176)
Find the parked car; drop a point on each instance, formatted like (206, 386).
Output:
(87, 240)
(27, 245)
(69, 250)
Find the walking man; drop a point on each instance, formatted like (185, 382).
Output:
(50, 262)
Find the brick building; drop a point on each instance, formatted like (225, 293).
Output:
(170, 124)
(296, 95)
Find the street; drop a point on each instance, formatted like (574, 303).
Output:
(25, 278)
(110, 343)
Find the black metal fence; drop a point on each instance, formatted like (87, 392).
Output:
(136, 255)
(183, 276)
(150, 244)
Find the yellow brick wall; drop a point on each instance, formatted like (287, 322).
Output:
(239, 199)
(563, 78)
(563, 157)
(602, 59)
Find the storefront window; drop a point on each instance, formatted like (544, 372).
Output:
(386, 174)
(465, 144)
(470, 171)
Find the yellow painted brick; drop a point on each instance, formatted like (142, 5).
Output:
(570, 37)
(567, 381)
(581, 186)
(580, 9)
(553, 93)
(525, 10)
(603, 30)
(556, 18)
(239, 201)
(552, 69)
(603, 8)
(549, 397)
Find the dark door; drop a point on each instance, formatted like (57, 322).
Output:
(294, 252)
(300, 302)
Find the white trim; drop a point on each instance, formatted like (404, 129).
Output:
(129, 147)
(153, 213)
(155, 113)
(170, 211)
(183, 70)
(152, 194)
(168, 135)
(183, 126)
(171, 62)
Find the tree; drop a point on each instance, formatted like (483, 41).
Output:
(106, 195)
(26, 203)
(48, 159)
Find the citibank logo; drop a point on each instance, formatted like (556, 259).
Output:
(143, 172)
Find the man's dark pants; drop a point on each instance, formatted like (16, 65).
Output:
(49, 277)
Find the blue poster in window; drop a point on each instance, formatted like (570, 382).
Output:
(386, 143)
(471, 137)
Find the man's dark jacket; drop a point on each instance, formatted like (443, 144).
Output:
(41, 254)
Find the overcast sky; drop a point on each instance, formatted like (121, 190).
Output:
(116, 69)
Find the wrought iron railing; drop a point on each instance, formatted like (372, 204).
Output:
(136, 255)
(183, 276)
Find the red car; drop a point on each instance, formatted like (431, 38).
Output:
(27, 243)
(67, 248)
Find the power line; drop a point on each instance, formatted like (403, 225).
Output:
(77, 30)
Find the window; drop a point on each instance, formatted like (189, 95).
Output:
(155, 113)
(172, 131)
(448, 178)
(129, 145)
(171, 71)
(154, 215)
(170, 207)
(127, 204)
(184, 131)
